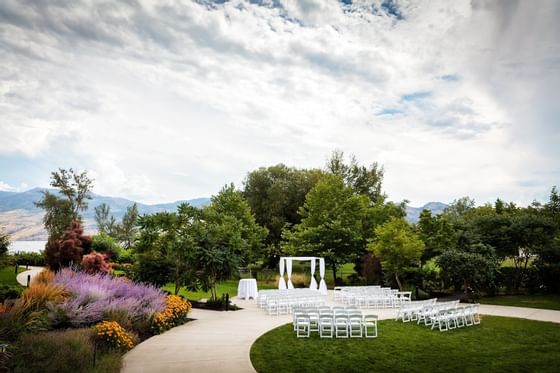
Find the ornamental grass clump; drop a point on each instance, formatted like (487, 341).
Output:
(111, 335)
(175, 313)
(92, 296)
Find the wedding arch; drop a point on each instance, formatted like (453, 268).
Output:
(286, 264)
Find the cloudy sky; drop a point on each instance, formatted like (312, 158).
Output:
(167, 100)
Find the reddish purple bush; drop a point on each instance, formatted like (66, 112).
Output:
(95, 262)
(69, 249)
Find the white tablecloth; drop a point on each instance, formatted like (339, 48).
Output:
(247, 288)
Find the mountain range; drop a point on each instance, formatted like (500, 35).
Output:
(22, 220)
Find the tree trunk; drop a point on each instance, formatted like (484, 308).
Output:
(466, 285)
(398, 281)
(177, 281)
(334, 273)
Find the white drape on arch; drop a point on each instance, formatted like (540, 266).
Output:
(287, 263)
(281, 282)
(289, 267)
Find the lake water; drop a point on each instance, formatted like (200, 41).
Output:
(27, 246)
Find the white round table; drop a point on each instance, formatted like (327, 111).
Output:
(247, 288)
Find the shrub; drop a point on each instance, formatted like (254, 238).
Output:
(56, 351)
(94, 295)
(37, 297)
(103, 243)
(10, 291)
(70, 249)
(152, 268)
(175, 313)
(96, 263)
(111, 335)
(29, 258)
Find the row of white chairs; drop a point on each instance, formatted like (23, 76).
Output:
(371, 296)
(350, 324)
(458, 317)
(443, 315)
(282, 302)
(409, 311)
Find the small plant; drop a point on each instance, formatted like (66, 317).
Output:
(111, 335)
(95, 262)
(44, 277)
(175, 313)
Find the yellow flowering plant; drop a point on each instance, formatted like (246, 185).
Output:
(112, 335)
(175, 313)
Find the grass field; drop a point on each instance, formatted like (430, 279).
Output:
(498, 344)
(8, 275)
(545, 301)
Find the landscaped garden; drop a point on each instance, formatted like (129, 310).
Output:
(497, 344)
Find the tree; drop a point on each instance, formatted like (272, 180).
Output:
(436, 233)
(106, 223)
(363, 180)
(61, 210)
(476, 268)
(128, 229)
(332, 220)
(230, 202)
(459, 208)
(167, 238)
(95, 262)
(398, 246)
(275, 194)
(69, 249)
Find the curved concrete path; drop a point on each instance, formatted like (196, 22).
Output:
(221, 341)
(33, 271)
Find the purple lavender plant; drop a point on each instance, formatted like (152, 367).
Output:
(94, 295)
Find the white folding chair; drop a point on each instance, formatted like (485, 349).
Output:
(341, 326)
(370, 326)
(355, 325)
(302, 327)
(326, 327)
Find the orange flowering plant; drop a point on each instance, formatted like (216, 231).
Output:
(112, 335)
(175, 313)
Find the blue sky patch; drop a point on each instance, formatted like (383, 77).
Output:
(390, 111)
(416, 96)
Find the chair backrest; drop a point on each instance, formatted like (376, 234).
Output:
(370, 318)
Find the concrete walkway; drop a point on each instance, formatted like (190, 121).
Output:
(33, 271)
(221, 341)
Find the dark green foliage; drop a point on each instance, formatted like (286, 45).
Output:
(498, 344)
(106, 223)
(436, 233)
(103, 243)
(10, 291)
(332, 224)
(275, 194)
(29, 258)
(475, 269)
(4, 244)
(152, 267)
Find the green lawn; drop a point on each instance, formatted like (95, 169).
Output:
(8, 275)
(498, 344)
(545, 301)
(229, 286)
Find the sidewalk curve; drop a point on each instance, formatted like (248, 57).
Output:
(221, 341)
(33, 271)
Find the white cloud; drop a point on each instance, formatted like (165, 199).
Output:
(172, 100)
(4, 187)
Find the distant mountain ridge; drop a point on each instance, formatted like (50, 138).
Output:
(22, 220)
(413, 213)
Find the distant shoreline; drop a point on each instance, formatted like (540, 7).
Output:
(26, 246)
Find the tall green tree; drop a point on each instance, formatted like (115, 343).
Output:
(436, 233)
(106, 223)
(4, 245)
(231, 202)
(332, 221)
(275, 194)
(128, 228)
(74, 190)
(363, 180)
(398, 247)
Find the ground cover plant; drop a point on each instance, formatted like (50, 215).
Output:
(498, 344)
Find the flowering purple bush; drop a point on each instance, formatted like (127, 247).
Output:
(94, 295)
